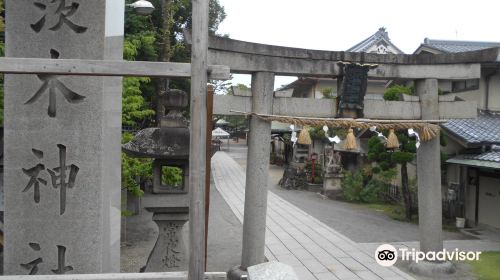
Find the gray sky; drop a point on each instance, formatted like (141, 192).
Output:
(338, 25)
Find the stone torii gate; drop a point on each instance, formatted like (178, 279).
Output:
(263, 62)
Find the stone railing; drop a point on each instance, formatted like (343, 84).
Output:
(410, 110)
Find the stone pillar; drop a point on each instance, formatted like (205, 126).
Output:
(429, 186)
(62, 141)
(254, 223)
(254, 220)
(429, 173)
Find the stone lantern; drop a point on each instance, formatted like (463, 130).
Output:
(168, 145)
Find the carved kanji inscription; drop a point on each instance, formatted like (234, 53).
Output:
(58, 11)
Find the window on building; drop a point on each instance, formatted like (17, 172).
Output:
(464, 85)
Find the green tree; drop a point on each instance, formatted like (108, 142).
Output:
(135, 110)
(387, 160)
(134, 169)
(237, 122)
(159, 37)
(155, 38)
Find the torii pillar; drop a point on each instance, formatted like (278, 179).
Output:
(429, 185)
(254, 222)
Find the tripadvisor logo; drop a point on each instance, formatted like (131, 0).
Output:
(387, 255)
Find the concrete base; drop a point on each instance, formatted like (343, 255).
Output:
(332, 185)
(237, 273)
(332, 182)
(314, 187)
(432, 269)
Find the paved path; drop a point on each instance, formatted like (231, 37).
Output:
(360, 223)
(294, 237)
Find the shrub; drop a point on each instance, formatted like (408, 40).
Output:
(327, 93)
(352, 186)
(317, 133)
(372, 191)
(354, 189)
(393, 93)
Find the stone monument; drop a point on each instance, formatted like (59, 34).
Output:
(62, 139)
(332, 179)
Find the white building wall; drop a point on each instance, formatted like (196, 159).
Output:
(494, 95)
(489, 201)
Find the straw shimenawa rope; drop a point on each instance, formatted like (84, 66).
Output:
(428, 129)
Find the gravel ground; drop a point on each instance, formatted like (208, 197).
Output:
(140, 239)
(357, 222)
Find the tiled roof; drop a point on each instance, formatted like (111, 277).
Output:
(380, 35)
(485, 160)
(491, 156)
(450, 46)
(483, 130)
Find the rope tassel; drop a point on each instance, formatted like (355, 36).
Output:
(392, 140)
(350, 141)
(427, 134)
(304, 137)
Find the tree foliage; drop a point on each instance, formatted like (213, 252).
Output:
(389, 159)
(394, 92)
(327, 92)
(153, 38)
(160, 37)
(236, 122)
(172, 176)
(135, 109)
(134, 169)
